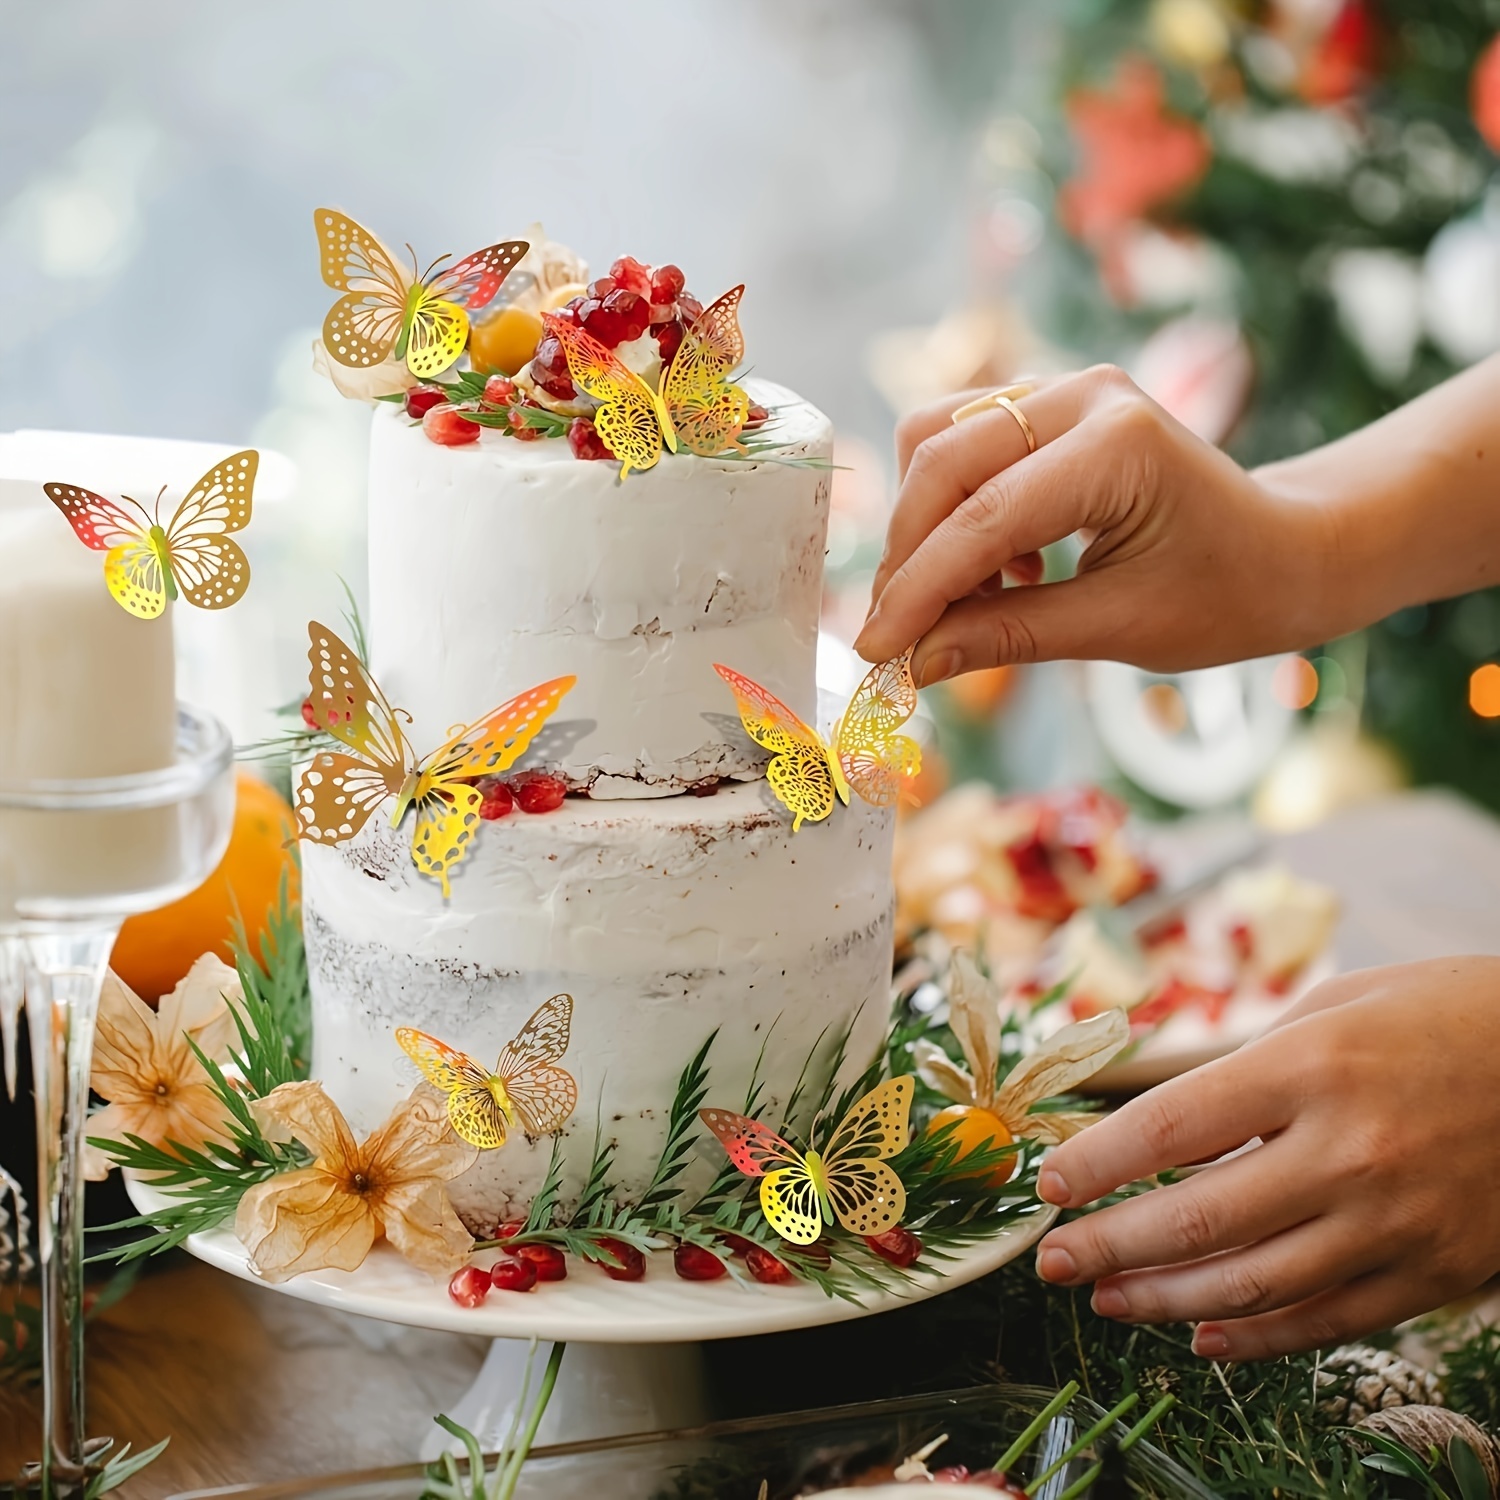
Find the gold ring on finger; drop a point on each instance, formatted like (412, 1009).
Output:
(1005, 399)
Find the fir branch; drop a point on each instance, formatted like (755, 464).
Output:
(276, 1027)
(682, 1123)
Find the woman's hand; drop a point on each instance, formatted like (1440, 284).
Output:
(1188, 560)
(1373, 1198)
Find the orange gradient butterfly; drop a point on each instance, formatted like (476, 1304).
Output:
(697, 407)
(526, 1086)
(422, 318)
(802, 1192)
(337, 792)
(864, 751)
(148, 563)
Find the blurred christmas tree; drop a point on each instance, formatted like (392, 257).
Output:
(1291, 210)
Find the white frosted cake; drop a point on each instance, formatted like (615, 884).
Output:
(668, 894)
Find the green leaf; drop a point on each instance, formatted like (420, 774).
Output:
(1473, 1482)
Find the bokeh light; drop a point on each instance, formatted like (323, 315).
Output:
(1484, 690)
(1295, 682)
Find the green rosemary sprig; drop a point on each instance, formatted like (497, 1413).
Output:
(682, 1128)
(276, 1026)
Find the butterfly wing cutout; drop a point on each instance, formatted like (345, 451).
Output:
(801, 770)
(473, 1110)
(132, 569)
(876, 759)
(631, 417)
(789, 1200)
(436, 336)
(866, 1195)
(447, 820)
(210, 570)
(752, 1146)
(707, 411)
(337, 792)
(362, 327)
(788, 1197)
(473, 281)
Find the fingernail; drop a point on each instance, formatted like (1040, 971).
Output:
(1110, 1302)
(870, 619)
(1055, 1264)
(939, 667)
(1051, 1186)
(1210, 1341)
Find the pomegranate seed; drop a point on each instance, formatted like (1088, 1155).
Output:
(537, 792)
(601, 287)
(629, 1264)
(308, 716)
(607, 324)
(694, 1263)
(899, 1246)
(737, 1244)
(584, 440)
(549, 357)
(634, 311)
(513, 1273)
(668, 340)
(420, 399)
(764, 1266)
(469, 1286)
(497, 803)
(757, 416)
(629, 273)
(818, 1253)
(953, 1474)
(443, 425)
(666, 284)
(510, 1230)
(551, 1264)
(498, 391)
(688, 307)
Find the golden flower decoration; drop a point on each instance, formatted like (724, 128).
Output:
(156, 1087)
(329, 1215)
(1066, 1059)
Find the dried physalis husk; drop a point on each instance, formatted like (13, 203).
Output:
(1422, 1428)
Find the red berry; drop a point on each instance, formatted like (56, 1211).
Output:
(420, 399)
(551, 1264)
(694, 1263)
(668, 340)
(666, 284)
(469, 1286)
(537, 792)
(601, 287)
(628, 272)
(513, 1273)
(497, 803)
(757, 416)
(899, 1246)
(764, 1266)
(584, 440)
(628, 1264)
(308, 716)
(498, 391)
(444, 425)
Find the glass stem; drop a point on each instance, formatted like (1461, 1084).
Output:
(62, 1002)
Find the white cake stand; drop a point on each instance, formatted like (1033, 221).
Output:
(634, 1364)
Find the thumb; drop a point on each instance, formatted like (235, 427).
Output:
(1078, 619)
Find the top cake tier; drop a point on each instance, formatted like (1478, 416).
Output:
(501, 564)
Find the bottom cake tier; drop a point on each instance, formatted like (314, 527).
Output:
(666, 921)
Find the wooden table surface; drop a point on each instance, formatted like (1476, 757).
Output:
(254, 1386)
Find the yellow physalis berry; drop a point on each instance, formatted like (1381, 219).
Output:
(503, 343)
(976, 1129)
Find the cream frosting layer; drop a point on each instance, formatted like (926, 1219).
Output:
(501, 564)
(664, 919)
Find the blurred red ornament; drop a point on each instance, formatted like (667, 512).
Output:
(1136, 155)
(1484, 95)
(1346, 57)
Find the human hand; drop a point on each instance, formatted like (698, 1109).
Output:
(1188, 561)
(1373, 1198)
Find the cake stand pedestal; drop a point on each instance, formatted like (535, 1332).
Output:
(633, 1364)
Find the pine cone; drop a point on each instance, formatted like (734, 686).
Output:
(1356, 1380)
(1422, 1428)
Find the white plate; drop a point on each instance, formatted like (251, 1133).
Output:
(589, 1307)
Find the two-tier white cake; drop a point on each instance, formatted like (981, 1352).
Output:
(669, 895)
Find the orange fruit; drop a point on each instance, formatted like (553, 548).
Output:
(504, 341)
(976, 1129)
(155, 949)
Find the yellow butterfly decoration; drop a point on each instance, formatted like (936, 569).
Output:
(148, 563)
(697, 407)
(421, 317)
(526, 1087)
(338, 791)
(802, 1192)
(864, 750)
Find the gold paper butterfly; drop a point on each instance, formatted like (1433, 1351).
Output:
(697, 407)
(337, 792)
(525, 1088)
(801, 1192)
(864, 750)
(422, 318)
(148, 563)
